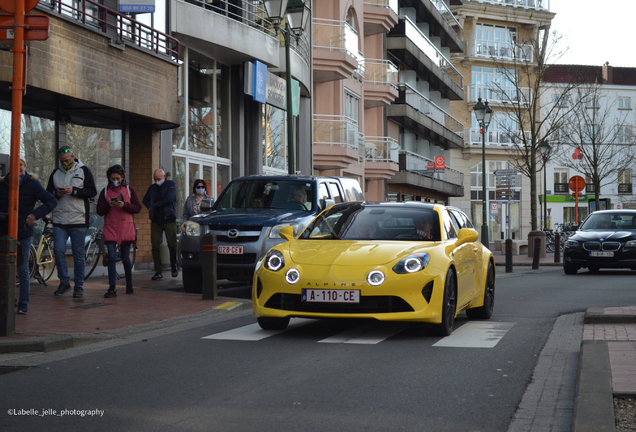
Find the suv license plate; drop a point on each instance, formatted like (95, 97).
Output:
(602, 254)
(331, 296)
(231, 250)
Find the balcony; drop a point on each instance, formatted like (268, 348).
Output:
(502, 51)
(443, 9)
(381, 157)
(409, 45)
(439, 21)
(335, 50)
(337, 142)
(497, 137)
(380, 83)
(380, 16)
(418, 171)
(625, 188)
(541, 5)
(503, 94)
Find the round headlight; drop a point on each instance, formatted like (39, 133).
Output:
(412, 265)
(292, 276)
(274, 260)
(375, 278)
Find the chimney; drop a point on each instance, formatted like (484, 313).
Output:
(608, 74)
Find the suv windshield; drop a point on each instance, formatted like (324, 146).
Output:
(268, 194)
(598, 221)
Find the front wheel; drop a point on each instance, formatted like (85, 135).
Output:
(46, 264)
(570, 270)
(273, 323)
(485, 311)
(449, 306)
(92, 254)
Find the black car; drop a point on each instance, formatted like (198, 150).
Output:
(606, 239)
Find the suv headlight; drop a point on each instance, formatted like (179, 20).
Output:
(275, 232)
(571, 244)
(191, 228)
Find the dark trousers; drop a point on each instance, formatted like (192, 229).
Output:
(156, 238)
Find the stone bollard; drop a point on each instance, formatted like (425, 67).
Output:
(557, 247)
(509, 256)
(537, 253)
(208, 267)
(8, 258)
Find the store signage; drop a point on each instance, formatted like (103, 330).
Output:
(260, 81)
(275, 91)
(137, 6)
(440, 163)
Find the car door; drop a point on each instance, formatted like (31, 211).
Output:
(464, 257)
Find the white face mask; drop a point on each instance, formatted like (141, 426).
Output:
(116, 183)
(200, 191)
(160, 182)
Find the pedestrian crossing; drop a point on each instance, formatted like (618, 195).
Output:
(469, 335)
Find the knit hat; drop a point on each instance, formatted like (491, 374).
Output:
(23, 159)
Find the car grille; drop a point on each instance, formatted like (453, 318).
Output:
(242, 229)
(248, 258)
(598, 246)
(368, 304)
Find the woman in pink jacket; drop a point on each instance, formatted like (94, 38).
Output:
(118, 202)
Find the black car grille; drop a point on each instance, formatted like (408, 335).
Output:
(226, 239)
(248, 258)
(598, 246)
(368, 304)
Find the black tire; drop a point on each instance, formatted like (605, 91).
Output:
(47, 265)
(449, 306)
(192, 279)
(550, 246)
(593, 269)
(92, 255)
(570, 270)
(32, 260)
(485, 311)
(273, 323)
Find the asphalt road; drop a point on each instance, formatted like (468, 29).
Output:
(303, 379)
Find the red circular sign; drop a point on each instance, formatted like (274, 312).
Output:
(9, 5)
(576, 183)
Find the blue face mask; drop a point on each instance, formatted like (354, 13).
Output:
(200, 191)
(116, 183)
(160, 182)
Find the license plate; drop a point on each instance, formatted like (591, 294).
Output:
(231, 250)
(331, 296)
(602, 254)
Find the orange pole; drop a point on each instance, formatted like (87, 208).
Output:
(16, 116)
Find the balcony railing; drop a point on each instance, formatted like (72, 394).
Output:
(117, 25)
(424, 105)
(380, 72)
(561, 188)
(391, 4)
(446, 13)
(335, 35)
(431, 51)
(503, 94)
(334, 130)
(502, 50)
(381, 149)
(496, 137)
(543, 5)
(413, 162)
(624, 188)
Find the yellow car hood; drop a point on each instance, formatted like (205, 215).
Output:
(349, 253)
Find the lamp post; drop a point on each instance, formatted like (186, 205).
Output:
(483, 114)
(297, 14)
(545, 149)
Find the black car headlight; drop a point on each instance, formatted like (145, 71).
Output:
(274, 260)
(572, 244)
(630, 244)
(412, 263)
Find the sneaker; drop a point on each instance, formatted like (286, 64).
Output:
(21, 312)
(129, 289)
(112, 292)
(175, 272)
(62, 289)
(157, 276)
(78, 292)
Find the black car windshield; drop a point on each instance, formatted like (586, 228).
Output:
(599, 221)
(268, 194)
(359, 222)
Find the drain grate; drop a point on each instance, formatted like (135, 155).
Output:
(91, 306)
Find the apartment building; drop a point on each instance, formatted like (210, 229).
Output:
(382, 88)
(497, 37)
(599, 131)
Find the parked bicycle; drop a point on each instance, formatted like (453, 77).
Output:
(42, 258)
(94, 251)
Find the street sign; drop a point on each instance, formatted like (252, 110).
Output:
(9, 5)
(577, 195)
(506, 172)
(36, 27)
(576, 183)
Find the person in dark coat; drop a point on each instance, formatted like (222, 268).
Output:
(31, 191)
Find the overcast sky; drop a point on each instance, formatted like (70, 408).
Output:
(597, 31)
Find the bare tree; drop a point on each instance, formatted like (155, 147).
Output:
(602, 134)
(526, 117)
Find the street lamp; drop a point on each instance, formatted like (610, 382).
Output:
(483, 114)
(297, 14)
(545, 149)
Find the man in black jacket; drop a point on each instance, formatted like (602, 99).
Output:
(161, 201)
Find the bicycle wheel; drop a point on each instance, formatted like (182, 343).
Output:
(46, 262)
(121, 274)
(32, 261)
(92, 254)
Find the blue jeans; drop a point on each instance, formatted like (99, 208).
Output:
(23, 274)
(78, 237)
(112, 263)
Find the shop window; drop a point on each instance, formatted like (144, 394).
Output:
(274, 143)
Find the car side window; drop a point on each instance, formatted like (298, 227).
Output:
(462, 219)
(323, 193)
(451, 227)
(335, 192)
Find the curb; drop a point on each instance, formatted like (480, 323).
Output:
(598, 316)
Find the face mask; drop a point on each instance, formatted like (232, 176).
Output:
(160, 182)
(67, 165)
(116, 183)
(200, 191)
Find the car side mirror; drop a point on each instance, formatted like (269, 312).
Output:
(467, 235)
(206, 205)
(287, 232)
(325, 203)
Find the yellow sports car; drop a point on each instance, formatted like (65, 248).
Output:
(409, 261)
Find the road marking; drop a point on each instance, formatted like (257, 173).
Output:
(476, 335)
(254, 332)
(228, 305)
(368, 334)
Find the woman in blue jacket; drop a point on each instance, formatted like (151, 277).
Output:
(31, 191)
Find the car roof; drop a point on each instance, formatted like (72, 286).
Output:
(283, 177)
(394, 204)
(615, 211)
